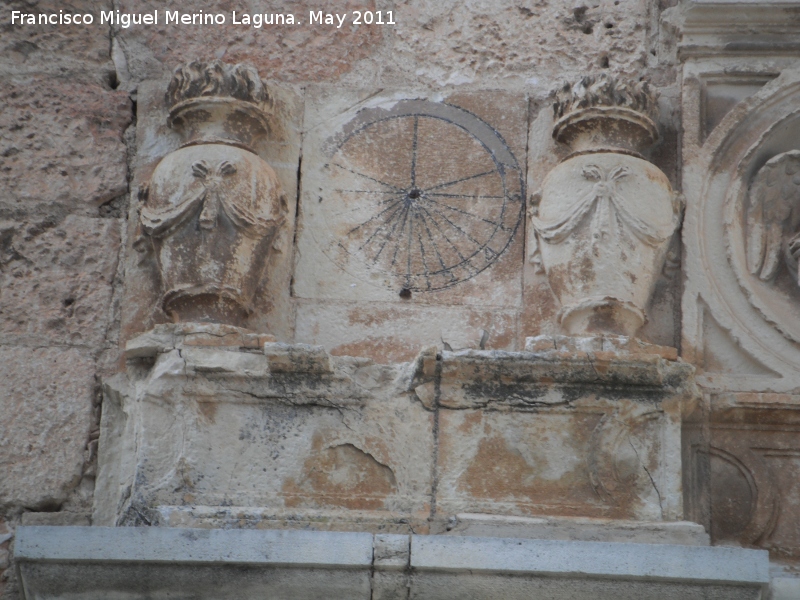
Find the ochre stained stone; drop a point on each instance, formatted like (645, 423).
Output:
(286, 52)
(46, 403)
(305, 434)
(61, 143)
(57, 282)
(755, 469)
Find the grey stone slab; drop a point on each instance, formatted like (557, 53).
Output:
(94, 563)
(103, 563)
(236, 547)
(593, 559)
(785, 588)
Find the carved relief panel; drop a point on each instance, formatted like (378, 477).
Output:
(742, 302)
(605, 217)
(213, 213)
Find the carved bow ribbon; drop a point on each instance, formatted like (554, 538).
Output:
(605, 194)
(211, 197)
(158, 219)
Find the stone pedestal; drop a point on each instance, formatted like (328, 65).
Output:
(217, 426)
(574, 427)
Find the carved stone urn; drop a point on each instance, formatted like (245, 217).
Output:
(213, 207)
(606, 215)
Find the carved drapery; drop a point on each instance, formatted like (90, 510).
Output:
(213, 207)
(606, 215)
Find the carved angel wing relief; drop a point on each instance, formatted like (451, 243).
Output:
(773, 198)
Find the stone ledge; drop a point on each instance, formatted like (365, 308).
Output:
(682, 533)
(237, 546)
(97, 562)
(739, 27)
(538, 378)
(652, 562)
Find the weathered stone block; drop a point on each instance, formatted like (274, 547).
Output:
(280, 149)
(160, 563)
(595, 434)
(288, 52)
(413, 201)
(440, 43)
(412, 213)
(56, 48)
(755, 472)
(388, 332)
(61, 144)
(277, 437)
(56, 280)
(46, 402)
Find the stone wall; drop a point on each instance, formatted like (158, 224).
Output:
(63, 161)
(84, 124)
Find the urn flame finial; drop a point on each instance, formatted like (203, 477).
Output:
(211, 102)
(606, 112)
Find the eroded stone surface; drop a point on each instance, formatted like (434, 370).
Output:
(604, 220)
(46, 399)
(316, 439)
(55, 49)
(167, 337)
(288, 52)
(56, 280)
(755, 462)
(61, 144)
(597, 434)
(446, 44)
(271, 305)
(389, 333)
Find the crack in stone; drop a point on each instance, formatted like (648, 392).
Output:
(652, 481)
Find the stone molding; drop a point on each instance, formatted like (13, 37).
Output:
(97, 562)
(743, 28)
(618, 404)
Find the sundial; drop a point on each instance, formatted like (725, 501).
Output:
(419, 197)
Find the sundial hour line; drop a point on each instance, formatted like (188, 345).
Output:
(476, 197)
(456, 227)
(370, 191)
(469, 214)
(449, 183)
(367, 222)
(380, 227)
(444, 235)
(386, 239)
(389, 185)
(377, 205)
(402, 227)
(435, 245)
(408, 249)
(426, 270)
(414, 154)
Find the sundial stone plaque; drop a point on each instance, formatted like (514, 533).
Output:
(411, 205)
(414, 200)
